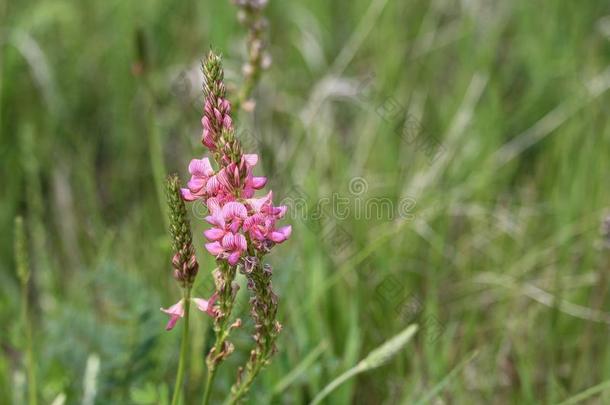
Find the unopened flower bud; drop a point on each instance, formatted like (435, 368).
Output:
(184, 260)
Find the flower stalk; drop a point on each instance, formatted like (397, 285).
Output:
(185, 270)
(223, 277)
(243, 228)
(263, 311)
(183, 348)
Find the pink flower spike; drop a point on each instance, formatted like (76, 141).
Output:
(206, 306)
(175, 312)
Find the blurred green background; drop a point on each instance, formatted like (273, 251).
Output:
(482, 125)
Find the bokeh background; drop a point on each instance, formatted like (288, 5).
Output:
(469, 141)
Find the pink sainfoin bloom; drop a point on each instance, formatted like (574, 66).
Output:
(260, 225)
(241, 224)
(226, 241)
(224, 185)
(176, 311)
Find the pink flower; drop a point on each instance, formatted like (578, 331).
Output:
(238, 179)
(198, 186)
(251, 182)
(264, 205)
(207, 306)
(261, 224)
(225, 239)
(176, 311)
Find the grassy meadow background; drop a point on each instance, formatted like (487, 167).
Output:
(480, 128)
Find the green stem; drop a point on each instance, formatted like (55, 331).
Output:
(183, 347)
(222, 329)
(208, 385)
(221, 337)
(245, 386)
(32, 399)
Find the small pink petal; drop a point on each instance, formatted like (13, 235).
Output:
(258, 203)
(234, 209)
(214, 248)
(280, 211)
(200, 167)
(214, 234)
(202, 304)
(234, 258)
(240, 242)
(175, 312)
(187, 195)
(248, 192)
(215, 219)
(281, 234)
(207, 306)
(259, 182)
(251, 159)
(213, 205)
(172, 322)
(196, 183)
(212, 185)
(176, 309)
(228, 241)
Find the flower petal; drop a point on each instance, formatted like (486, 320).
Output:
(234, 258)
(259, 182)
(201, 304)
(234, 209)
(200, 167)
(176, 309)
(172, 322)
(187, 195)
(207, 306)
(240, 242)
(214, 234)
(175, 312)
(251, 159)
(281, 234)
(214, 248)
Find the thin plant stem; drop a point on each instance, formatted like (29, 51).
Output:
(32, 399)
(245, 386)
(222, 330)
(212, 367)
(208, 385)
(183, 347)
